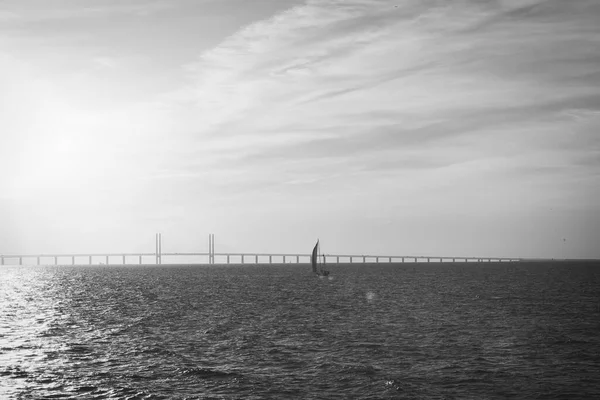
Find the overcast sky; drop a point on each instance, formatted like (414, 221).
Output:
(454, 127)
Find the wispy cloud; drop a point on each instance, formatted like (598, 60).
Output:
(34, 10)
(370, 77)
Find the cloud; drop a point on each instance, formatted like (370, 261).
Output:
(105, 62)
(392, 106)
(363, 78)
(8, 16)
(27, 11)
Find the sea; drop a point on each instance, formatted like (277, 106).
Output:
(368, 331)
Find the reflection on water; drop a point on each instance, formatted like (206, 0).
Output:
(25, 315)
(378, 331)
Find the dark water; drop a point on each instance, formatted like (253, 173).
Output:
(449, 331)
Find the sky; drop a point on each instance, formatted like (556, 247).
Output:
(404, 127)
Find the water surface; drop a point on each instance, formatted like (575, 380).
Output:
(375, 331)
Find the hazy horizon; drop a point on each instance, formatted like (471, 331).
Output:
(461, 127)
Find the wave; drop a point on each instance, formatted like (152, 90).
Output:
(208, 373)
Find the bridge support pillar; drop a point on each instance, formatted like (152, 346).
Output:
(2, 260)
(140, 260)
(256, 259)
(428, 259)
(38, 260)
(55, 260)
(376, 259)
(123, 259)
(284, 259)
(270, 259)
(227, 258)
(242, 258)
(364, 259)
(106, 260)
(72, 260)
(20, 260)
(350, 259)
(90, 260)
(297, 259)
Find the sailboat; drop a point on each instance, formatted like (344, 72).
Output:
(317, 267)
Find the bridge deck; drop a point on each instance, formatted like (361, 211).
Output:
(225, 258)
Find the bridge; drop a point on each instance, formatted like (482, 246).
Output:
(222, 258)
(211, 257)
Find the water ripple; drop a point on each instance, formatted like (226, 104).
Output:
(255, 332)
